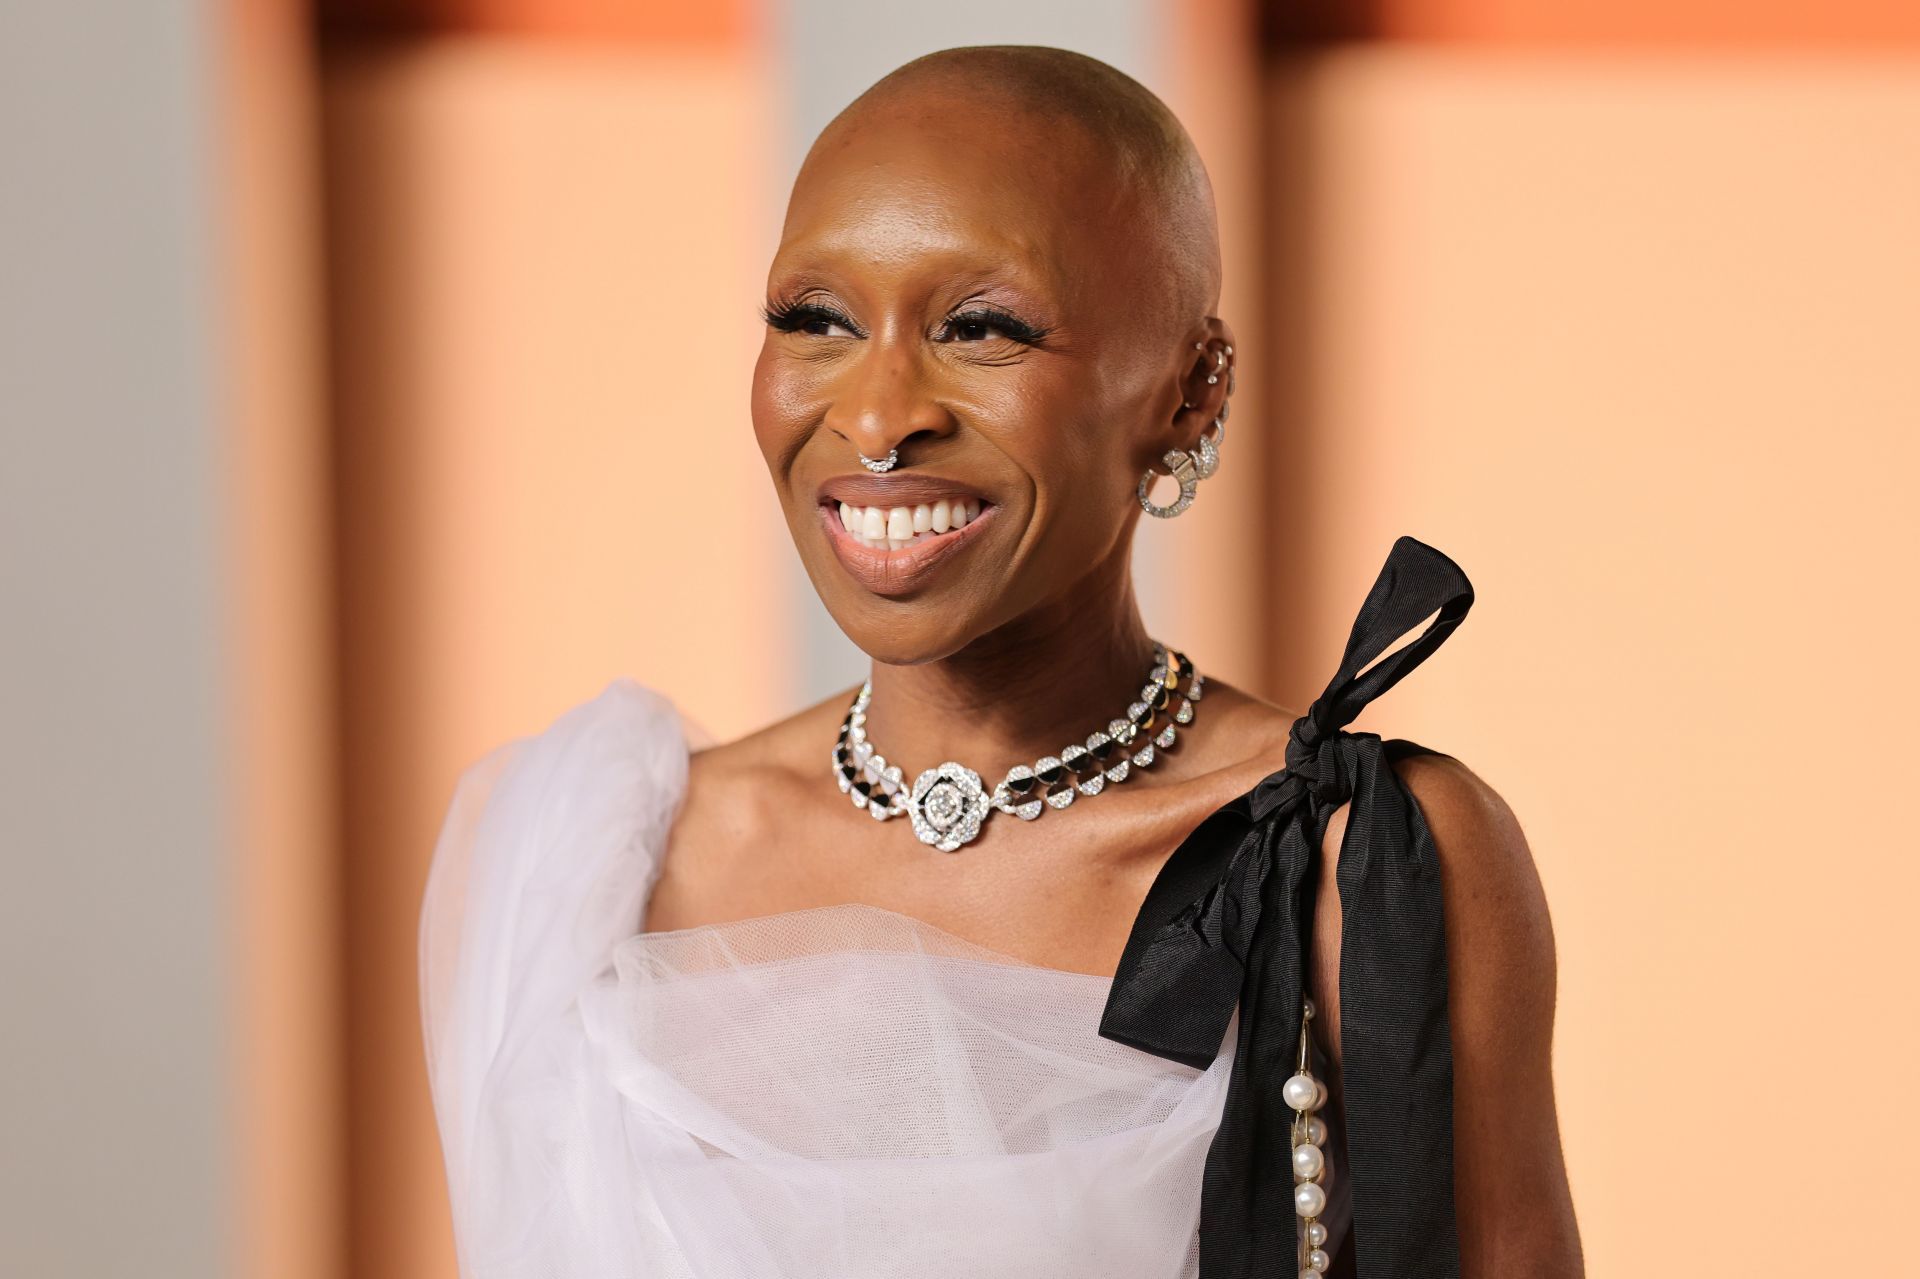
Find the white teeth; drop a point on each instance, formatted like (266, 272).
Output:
(893, 527)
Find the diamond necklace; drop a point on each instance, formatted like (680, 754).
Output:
(947, 803)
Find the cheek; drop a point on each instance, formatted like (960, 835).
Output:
(1075, 451)
(1078, 446)
(1047, 426)
(782, 408)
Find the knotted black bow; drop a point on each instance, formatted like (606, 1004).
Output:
(1228, 922)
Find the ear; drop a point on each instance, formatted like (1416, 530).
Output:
(1204, 383)
(1206, 380)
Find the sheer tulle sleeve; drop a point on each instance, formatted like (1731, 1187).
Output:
(542, 867)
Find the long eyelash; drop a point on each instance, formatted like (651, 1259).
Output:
(1014, 327)
(790, 317)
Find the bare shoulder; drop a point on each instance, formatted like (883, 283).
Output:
(1490, 884)
(1500, 944)
(1515, 1210)
(739, 794)
(734, 788)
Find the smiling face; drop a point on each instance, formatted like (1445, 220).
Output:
(971, 282)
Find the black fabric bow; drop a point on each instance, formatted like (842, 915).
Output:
(1228, 921)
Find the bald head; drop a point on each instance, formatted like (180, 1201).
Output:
(1139, 144)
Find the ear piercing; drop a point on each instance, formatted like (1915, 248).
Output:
(1188, 468)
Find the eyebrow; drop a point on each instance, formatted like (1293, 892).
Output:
(963, 268)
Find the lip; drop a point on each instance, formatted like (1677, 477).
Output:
(909, 488)
(904, 571)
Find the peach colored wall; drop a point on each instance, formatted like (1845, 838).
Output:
(1632, 338)
(546, 287)
(1197, 572)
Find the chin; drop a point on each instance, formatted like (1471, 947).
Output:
(906, 631)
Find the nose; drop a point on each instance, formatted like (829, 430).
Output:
(885, 397)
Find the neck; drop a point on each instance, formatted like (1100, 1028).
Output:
(1022, 691)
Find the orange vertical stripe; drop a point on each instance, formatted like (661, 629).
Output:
(289, 1117)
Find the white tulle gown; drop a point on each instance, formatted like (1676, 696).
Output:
(840, 1093)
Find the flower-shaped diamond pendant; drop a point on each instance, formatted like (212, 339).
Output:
(947, 806)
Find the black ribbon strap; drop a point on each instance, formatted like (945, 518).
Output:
(1228, 922)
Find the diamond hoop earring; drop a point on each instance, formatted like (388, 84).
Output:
(886, 464)
(1206, 454)
(1180, 465)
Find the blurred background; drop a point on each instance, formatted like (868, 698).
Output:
(373, 379)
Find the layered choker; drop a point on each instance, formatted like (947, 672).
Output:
(948, 805)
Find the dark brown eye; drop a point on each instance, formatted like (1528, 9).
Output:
(812, 319)
(986, 325)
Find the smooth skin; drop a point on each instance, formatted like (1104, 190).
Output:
(1000, 260)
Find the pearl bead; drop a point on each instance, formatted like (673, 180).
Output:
(1320, 1096)
(1309, 1274)
(1316, 1130)
(1309, 1199)
(1308, 1161)
(1310, 1009)
(1301, 1092)
(1317, 1234)
(1318, 1260)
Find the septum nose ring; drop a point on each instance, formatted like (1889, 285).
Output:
(893, 455)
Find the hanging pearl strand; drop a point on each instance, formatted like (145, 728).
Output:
(1306, 1094)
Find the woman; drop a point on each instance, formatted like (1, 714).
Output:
(692, 1012)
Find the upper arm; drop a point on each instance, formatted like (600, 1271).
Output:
(1512, 1200)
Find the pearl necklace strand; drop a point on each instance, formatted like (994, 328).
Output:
(947, 804)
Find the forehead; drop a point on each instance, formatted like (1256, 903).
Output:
(959, 185)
